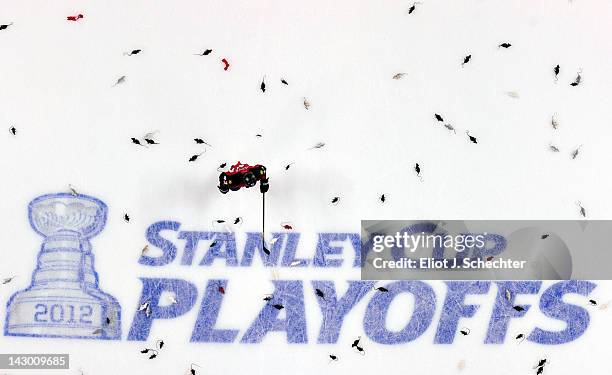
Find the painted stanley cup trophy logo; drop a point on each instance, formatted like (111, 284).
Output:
(64, 299)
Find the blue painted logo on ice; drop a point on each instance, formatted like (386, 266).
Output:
(63, 299)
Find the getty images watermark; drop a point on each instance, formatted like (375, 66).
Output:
(458, 243)
(486, 249)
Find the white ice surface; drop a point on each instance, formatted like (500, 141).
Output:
(56, 81)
